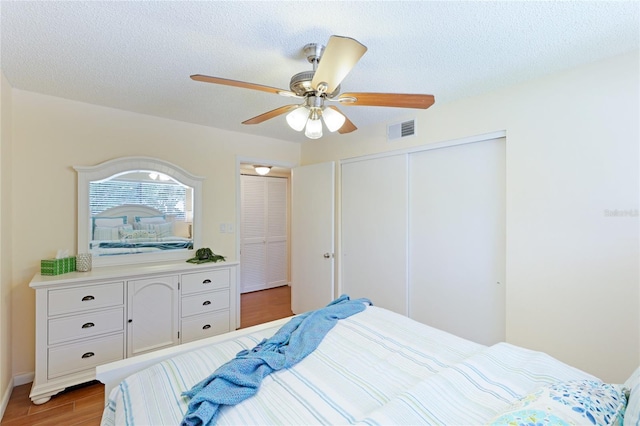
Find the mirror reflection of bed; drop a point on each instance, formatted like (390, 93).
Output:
(132, 228)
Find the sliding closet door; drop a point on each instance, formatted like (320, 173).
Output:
(374, 231)
(457, 239)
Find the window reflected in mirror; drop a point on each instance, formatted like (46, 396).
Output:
(140, 212)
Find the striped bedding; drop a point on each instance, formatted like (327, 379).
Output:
(376, 367)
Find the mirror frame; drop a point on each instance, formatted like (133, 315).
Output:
(104, 170)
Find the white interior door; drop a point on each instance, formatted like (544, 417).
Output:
(312, 236)
(374, 231)
(457, 239)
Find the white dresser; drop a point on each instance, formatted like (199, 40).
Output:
(84, 319)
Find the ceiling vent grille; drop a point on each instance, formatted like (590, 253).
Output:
(401, 130)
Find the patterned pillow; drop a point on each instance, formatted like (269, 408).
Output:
(131, 234)
(632, 415)
(162, 230)
(576, 402)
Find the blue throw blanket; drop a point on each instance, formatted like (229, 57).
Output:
(240, 378)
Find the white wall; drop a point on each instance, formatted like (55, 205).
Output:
(6, 381)
(572, 156)
(50, 135)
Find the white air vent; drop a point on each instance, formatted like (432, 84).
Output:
(401, 130)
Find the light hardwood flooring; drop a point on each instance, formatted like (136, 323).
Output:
(82, 406)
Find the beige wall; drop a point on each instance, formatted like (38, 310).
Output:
(573, 284)
(6, 380)
(52, 134)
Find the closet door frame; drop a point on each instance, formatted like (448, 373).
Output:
(269, 245)
(240, 160)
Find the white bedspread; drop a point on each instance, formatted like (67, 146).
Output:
(376, 367)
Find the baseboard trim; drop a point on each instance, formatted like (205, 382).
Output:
(6, 394)
(23, 379)
(20, 379)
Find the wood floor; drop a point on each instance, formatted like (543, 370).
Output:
(83, 405)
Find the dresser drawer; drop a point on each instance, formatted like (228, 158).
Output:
(204, 281)
(81, 356)
(202, 326)
(85, 325)
(205, 302)
(77, 299)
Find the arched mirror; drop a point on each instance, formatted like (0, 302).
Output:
(138, 210)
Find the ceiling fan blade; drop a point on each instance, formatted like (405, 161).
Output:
(397, 100)
(271, 114)
(339, 57)
(243, 84)
(348, 126)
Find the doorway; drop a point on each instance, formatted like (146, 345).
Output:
(264, 228)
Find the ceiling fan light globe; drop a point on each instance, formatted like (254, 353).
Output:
(333, 119)
(298, 118)
(313, 129)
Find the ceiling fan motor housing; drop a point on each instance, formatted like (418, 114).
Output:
(301, 85)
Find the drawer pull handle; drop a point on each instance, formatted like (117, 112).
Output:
(88, 355)
(206, 327)
(88, 325)
(86, 298)
(207, 281)
(206, 302)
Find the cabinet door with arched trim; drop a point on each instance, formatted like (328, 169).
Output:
(152, 314)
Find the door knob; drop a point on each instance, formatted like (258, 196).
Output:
(327, 255)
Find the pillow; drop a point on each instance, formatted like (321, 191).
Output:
(162, 230)
(143, 225)
(124, 229)
(106, 221)
(632, 416)
(580, 402)
(110, 232)
(103, 233)
(136, 233)
(150, 219)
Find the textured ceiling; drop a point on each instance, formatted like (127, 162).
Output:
(138, 55)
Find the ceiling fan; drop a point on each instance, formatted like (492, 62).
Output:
(321, 86)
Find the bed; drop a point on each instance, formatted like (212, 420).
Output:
(133, 228)
(375, 367)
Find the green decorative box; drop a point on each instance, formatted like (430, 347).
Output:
(57, 266)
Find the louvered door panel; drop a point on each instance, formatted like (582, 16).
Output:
(276, 208)
(253, 222)
(276, 232)
(253, 207)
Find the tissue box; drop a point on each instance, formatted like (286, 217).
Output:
(57, 266)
